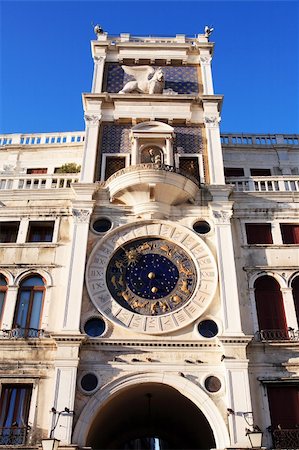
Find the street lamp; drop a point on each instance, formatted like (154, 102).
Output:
(50, 444)
(255, 437)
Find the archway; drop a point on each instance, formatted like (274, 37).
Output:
(150, 416)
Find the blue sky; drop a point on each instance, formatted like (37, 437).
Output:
(46, 62)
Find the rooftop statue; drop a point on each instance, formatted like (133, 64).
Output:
(142, 83)
(208, 31)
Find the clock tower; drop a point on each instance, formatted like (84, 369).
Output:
(164, 355)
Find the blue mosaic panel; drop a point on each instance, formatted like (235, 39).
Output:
(115, 138)
(181, 79)
(188, 140)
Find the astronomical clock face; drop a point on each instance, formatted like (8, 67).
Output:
(154, 277)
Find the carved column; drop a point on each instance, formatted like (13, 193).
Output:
(98, 73)
(72, 310)
(214, 150)
(92, 122)
(135, 158)
(227, 270)
(206, 73)
(169, 152)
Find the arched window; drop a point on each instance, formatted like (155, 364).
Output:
(270, 309)
(295, 287)
(3, 290)
(29, 306)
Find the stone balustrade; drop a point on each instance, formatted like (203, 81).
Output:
(42, 138)
(230, 139)
(42, 181)
(279, 183)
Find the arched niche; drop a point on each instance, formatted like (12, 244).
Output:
(152, 135)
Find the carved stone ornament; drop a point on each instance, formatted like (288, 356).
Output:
(142, 83)
(205, 60)
(92, 120)
(212, 121)
(222, 217)
(81, 215)
(99, 59)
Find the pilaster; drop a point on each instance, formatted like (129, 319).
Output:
(9, 307)
(206, 72)
(98, 74)
(214, 150)
(92, 122)
(221, 211)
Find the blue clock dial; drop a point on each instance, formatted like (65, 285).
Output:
(151, 276)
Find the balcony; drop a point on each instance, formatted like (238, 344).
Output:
(34, 182)
(277, 335)
(286, 439)
(22, 333)
(151, 187)
(269, 184)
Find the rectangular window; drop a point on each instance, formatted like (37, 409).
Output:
(113, 164)
(41, 170)
(40, 231)
(233, 172)
(260, 172)
(9, 231)
(14, 411)
(289, 233)
(190, 166)
(258, 233)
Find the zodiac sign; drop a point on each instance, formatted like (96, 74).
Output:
(184, 287)
(154, 308)
(183, 269)
(166, 249)
(176, 299)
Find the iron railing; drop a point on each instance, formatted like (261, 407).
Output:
(277, 335)
(19, 332)
(13, 435)
(286, 439)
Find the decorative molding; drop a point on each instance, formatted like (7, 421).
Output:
(92, 120)
(222, 217)
(205, 60)
(81, 215)
(212, 121)
(99, 59)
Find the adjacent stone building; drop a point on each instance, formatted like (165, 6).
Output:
(149, 280)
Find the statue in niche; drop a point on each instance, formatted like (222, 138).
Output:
(151, 155)
(142, 83)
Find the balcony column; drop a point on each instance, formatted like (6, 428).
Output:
(135, 158)
(289, 308)
(214, 150)
(9, 307)
(169, 152)
(227, 269)
(206, 72)
(72, 309)
(90, 147)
